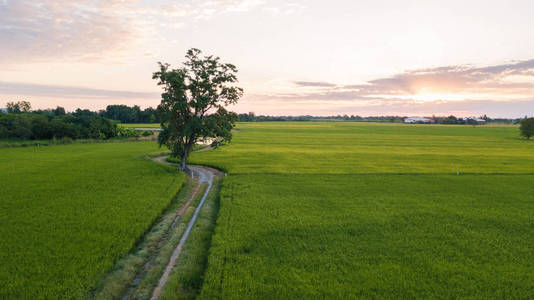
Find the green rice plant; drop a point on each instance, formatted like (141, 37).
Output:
(68, 213)
(387, 211)
(140, 260)
(350, 148)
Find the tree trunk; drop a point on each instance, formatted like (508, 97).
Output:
(183, 162)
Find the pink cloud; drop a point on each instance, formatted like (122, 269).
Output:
(40, 31)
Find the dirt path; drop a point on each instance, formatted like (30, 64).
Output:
(202, 175)
(179, 215)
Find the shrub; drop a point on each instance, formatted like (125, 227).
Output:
(41, 128)
(127, 132)
(63, 129)
(4, 133)
(22, 133)
(65, 140)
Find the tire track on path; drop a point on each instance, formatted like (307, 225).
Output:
(205, 175)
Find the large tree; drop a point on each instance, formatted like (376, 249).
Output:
(527, 127)
(193, 102)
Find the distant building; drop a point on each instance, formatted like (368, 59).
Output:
(3, 110)
(474, 119)
(415, 120)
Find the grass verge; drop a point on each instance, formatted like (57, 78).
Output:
(14, 143)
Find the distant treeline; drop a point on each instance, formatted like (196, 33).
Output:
(120, 113)
(38, 125)
(20, 122)
(251, 117)
(126, 114)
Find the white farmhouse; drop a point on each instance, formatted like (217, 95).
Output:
(415, 120)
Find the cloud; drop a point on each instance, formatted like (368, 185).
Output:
(27, 90)
(208, 9)
(98, 30)
(505, 90)
(371, 107)
(314, 84)
(44, 30)
(498, 82)
(466, 108)
(202, 9)
(242, 5)
(457, 79)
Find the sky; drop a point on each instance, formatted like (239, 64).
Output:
(295, 57)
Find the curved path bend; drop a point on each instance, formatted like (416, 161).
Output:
(203, 175)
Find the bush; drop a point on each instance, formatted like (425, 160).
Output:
(41, 128)
(63, 129)
(22, 133)
(62, 141)
(4, 133)
(127, 132)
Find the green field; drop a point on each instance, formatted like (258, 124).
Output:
(371, 148)
(68, 213)
(140, 125)
(346, 210)
(308, 210)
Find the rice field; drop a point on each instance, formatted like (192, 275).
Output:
(308, 210)
(372, 148)
(69, 212)
(140, 125)
(351, 210)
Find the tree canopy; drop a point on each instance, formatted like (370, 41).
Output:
(43, 125)
(527, 127)
(126, 114)
(194, 98)
(18, 107)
